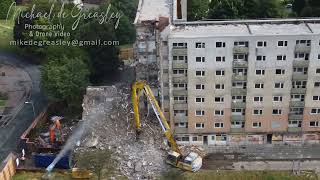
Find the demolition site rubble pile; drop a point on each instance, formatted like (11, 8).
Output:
(109, 112)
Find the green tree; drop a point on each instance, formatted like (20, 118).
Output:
(103, 59)
(248, 9)
(197, 9)
(100, 162)
(65, 79)
(128, 7)
(4, 7)
(298, 5)
(225, 9)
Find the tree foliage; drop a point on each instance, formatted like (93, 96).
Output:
(234, 9)
(100, 162)
(4, 7)
(103, 59)
(197, 9)
(307, 8)
(65, 79)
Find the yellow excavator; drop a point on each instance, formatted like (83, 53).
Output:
(191, 162)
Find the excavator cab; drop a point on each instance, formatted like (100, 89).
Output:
(191, 162)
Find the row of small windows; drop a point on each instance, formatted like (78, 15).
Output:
(243, 71)
(220, 44)
(239, 124)
(243, 85)
(294, 111)
(243, 98)
(244, 57)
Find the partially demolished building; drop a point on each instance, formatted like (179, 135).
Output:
(231, 82)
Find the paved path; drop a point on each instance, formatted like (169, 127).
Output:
(10, 135)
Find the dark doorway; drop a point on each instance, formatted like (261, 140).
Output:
(179, 13)
(269, 138)
(205, 140)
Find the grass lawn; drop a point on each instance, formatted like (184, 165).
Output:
(248, 175)
(6, 33)
(37, 176)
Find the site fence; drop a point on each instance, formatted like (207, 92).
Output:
(8, 167)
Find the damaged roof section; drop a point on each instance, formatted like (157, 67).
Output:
(152, 10)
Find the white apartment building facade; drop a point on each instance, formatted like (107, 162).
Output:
(237, 82)
(244, 82)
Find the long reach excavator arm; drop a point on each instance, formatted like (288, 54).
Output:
(142, 86)
(193, 161)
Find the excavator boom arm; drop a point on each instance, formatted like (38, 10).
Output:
(139, 86)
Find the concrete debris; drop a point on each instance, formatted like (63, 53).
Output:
(110, 111)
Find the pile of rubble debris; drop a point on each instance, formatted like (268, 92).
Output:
(109, 113)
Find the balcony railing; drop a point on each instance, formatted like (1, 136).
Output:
(302, 48)
(238, 104)
(297, 77)
(179, 51)
(239, 77)
(182, 79)
(180, 92)
(300, 63)
(237, 117)
(180, 118)
(237, 130)
(240, 64)
(238, 91)
(296, 116)
(294, 129)
(179, 65)
(298, 91)
(297, 103)
(180, 130)
(180, 105)
(240, 50)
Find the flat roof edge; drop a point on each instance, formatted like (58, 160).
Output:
(249, 21)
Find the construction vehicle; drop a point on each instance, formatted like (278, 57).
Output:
(191, 162)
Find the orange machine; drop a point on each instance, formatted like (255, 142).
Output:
(55, 130)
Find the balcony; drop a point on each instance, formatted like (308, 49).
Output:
(179, 51)
(238, 77)
(179, 65)
(237, 130)
(298, 77)
(302, 48)
(179, 130)
(237, 117)
(298, 91)
(300, 63)
(238, 104)
(180, 106)
(294, 129)
(296, 103)
(182, 92)
(240, 64)
(238, 91)
(180, 79)
(295, 116)
(240, 50)
(180, 119)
